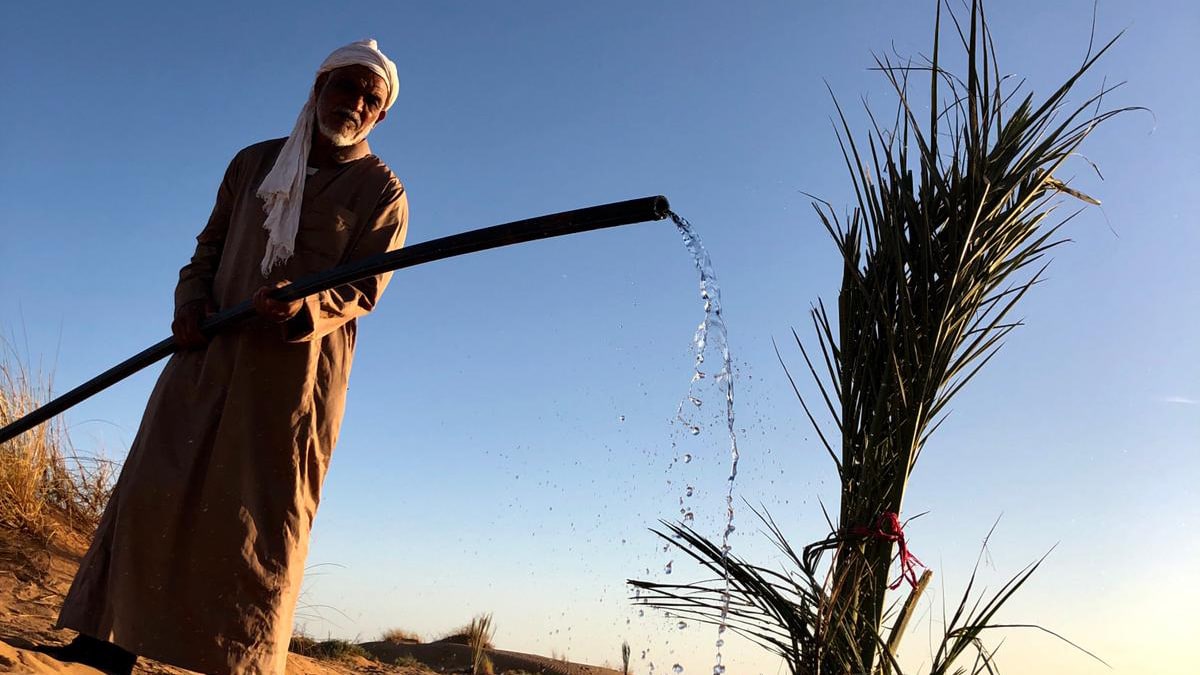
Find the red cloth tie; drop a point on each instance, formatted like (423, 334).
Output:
(888, 528)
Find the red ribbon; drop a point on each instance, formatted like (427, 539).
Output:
(888, 528)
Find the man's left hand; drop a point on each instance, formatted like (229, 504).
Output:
(275, 310)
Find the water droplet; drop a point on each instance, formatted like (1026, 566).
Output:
(720, 643)
(712, 332)
(642, 612)
(621, 418)
(695, 401)
(695, 431)
(690, 491)
(687, 459)
(667, 569)
(718, 669)
(689, 517)
(682, 625)
(677, 669)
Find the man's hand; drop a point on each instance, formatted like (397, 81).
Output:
(186, 326)
(274, 310)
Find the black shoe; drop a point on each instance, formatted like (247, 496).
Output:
(103, 656)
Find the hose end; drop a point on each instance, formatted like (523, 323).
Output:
(661, 207)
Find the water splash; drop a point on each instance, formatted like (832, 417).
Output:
(713, 330)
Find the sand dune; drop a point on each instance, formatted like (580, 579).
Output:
(35, 575)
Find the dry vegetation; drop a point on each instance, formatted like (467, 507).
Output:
(401, 636)
(44, 481)
(325, 649)
(481, 632)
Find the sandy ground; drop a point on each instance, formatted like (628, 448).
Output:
(35, 576)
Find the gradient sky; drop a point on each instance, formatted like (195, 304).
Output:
(509, 434)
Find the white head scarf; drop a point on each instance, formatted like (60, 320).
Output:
(283, 189)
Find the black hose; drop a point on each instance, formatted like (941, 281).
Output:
(530, 229)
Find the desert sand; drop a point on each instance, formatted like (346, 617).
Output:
(35, 575)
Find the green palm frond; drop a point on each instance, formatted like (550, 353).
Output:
(777, 610)
(955, 212)
(952, 224)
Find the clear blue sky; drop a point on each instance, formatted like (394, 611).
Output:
(484, 463)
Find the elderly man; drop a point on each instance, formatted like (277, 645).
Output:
(199, 555)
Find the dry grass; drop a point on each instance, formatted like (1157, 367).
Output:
(407, 661)
(481, 632)
(401, 636)
(463, 636)
(335, 650)
(42, 477)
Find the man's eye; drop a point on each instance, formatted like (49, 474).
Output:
(373, 101)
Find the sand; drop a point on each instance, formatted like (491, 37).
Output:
(35, 575)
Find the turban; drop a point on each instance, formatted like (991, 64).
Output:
(283, 189)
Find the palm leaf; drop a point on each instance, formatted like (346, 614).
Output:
(954, 215)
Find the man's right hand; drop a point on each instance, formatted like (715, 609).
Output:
(186, 326)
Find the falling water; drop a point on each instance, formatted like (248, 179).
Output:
(712, 329)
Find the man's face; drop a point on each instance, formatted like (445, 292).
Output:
(349, 104)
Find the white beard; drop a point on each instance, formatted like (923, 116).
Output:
(339, 138)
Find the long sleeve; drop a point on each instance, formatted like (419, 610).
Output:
(324, 312)
(196, 277)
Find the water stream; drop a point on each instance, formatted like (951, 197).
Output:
(710, 333)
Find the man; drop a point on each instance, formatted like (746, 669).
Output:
(199, 555)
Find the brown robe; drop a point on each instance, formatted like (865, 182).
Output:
(200, 553)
